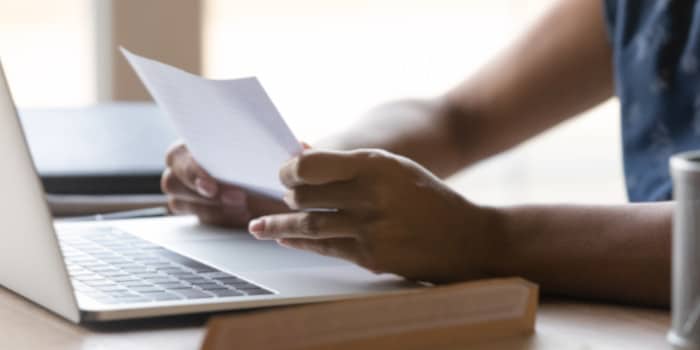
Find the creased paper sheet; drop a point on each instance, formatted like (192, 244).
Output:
(232, 128)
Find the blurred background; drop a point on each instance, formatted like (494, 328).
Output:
(323, 63)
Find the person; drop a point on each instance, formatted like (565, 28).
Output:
(396, 215)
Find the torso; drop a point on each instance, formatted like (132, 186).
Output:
(656, 53)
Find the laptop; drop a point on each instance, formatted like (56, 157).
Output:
(116, 270)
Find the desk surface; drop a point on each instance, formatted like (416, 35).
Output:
(561, 325)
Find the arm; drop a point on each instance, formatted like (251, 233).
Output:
(559, 68)
(620, 253)
(395, 216)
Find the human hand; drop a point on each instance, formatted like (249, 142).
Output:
(191, 190)
(391, 215)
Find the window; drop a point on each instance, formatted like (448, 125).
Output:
(47, 50)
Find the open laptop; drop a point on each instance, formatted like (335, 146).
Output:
(114, 270)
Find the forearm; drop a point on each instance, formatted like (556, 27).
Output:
(414, 128)
(619, 253)
(560, 67)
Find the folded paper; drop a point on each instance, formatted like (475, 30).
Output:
(231, 127)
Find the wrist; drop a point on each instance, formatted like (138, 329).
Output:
(496, 242)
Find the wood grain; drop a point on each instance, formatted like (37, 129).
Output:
(561, 325)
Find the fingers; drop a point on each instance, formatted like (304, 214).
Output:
(319, 167)
(307, 225)
(344, 248)
(173, 187)
(341, 195)
(193, 176)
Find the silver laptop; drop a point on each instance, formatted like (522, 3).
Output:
(112, 270)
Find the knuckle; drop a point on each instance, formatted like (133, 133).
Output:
(167, 181)
(175, 205)
(174, 153)
(371, 154)
(191, 170)
(309, 224)
(303, 165)
(375, 160)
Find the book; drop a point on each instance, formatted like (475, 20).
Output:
(441, 317)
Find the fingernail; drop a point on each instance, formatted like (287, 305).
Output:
(256, 226)
(205, 187)
(287, 199)
(233, 198)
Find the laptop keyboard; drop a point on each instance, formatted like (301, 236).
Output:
(114, 267)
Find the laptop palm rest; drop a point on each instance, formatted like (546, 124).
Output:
(232, 250)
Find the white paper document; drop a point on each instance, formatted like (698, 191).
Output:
(231, 127)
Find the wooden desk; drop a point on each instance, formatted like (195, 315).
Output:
(561, 325)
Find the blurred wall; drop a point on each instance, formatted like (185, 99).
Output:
(166, 30)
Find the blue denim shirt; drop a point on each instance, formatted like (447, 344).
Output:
(656, 55)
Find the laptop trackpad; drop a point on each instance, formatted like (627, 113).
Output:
(243, 253)
(232, 250)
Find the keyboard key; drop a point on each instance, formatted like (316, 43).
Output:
(173, 286)
(114, 274)
(112, 289)
(147, 259)
(122, 295)
(105, 270)
(238, 284)
(121, 263)
(104, 255)
(204, 283)
(218, 275)
(201, 268)
(258, 291)
(168, 269)
(127, 269)
(195, 279)
(90, 277)
(82, 259)
(94, 265)
(148, 274)
(182, 274)
(248, 286)
(147, 289)
(116, 260)
(193, 294)
(135, 268)
(213, 287)
(163, 296)
(128, 278)
(227, 293)
(231, 280)
(158, 279)
(100, 283)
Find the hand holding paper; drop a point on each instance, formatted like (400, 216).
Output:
(231, 127)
